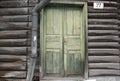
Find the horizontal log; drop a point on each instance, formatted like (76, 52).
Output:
(11, 26)
(14, 42)
(103, 21)
(13, 11)
(13, 34)
(103, 39)
(103, 43)
(103, 27)
(105, 10)
(103, 59)
(103, 52)
(102, 15)
(18, 18)
(99, 45)
(114, 66)
(13, 66)
(13, 50)
(12, 58)
(103, 33)
(12, 4)
(104, 72)
(21, 23)
(13, 74)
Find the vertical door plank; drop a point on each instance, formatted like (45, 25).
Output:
(72, 41)
(53, 41)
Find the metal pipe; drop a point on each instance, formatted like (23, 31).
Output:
(34, 39)
(40, 5)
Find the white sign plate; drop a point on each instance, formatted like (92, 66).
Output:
(98, 5)
(91, 80)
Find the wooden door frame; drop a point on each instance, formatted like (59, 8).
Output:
(85, 12)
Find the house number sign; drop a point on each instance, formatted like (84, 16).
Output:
(98, 5)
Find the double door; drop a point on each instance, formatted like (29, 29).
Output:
(62, 41)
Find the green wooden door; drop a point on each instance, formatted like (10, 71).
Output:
(62, 41)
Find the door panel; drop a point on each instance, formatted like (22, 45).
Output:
(52, 61)
(72, 40)
(52, 41)
(63, 41)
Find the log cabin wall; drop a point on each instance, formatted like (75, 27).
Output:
(103, 38)
(15, 25)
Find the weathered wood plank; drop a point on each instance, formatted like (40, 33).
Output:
(103, 59)
(12, 66)
(18, 18)
(103, 21)
(12, 4)
(99, 45)
(103, 33)
(104, 72)
(12, 58)
(103, 52)
(103, 43)
(13, 74)
(13, 34)
(103, 27)
(13, 51)
(102, 15)
(10, 26)
(104, 66)
(14, 43)
(21, 23)
(13, 11)
(103, 38)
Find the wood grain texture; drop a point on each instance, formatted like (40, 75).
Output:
(12, 58)
(13, 4)
(13, 66)
(103, 59)
(114, 66)
(13, 11)
(18, 18)
(104, 72)
(12, 26)
(103, 52)
(14, 46)
(13, 34)
(102, 15)
(13, 50)
(14, 43)
(103, 27)
(13, 74)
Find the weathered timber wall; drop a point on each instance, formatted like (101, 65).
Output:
(103, 38)
(15, 25)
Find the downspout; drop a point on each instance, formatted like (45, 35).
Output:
(34, 39)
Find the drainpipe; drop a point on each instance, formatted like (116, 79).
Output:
(34, 39)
